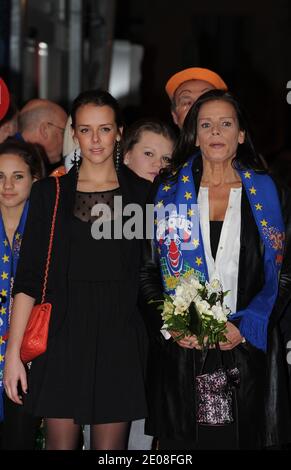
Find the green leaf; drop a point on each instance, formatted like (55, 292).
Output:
(212, 299)
(168, 297)
(195, 323)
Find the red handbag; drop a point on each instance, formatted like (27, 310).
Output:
(35, 336)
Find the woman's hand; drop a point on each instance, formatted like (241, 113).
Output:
(234, 338)
(188, 342)
(14, 372)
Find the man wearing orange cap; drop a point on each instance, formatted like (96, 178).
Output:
(186, 86)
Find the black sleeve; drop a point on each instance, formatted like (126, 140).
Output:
(284, 292)
(151, 288)
(34, 246)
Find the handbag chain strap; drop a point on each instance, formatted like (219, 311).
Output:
(51, 240)
(205, 354)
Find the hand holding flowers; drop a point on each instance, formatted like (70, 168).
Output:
(196, 309)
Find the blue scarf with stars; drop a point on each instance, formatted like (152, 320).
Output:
(180, 245)
(8, 264)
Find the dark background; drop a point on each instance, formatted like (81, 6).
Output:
(248, 42)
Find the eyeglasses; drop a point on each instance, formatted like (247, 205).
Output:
(62, 129)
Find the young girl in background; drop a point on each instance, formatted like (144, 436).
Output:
(148, 146)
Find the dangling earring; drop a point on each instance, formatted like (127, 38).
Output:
(117, 155)
(75, 158)
(76, 161)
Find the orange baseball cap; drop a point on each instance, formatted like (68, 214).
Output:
(194, 73)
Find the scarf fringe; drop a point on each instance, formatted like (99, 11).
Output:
(255, 330)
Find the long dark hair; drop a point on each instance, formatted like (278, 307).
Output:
(32, 154)
(246, 156)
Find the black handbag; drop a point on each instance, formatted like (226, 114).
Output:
(215, 393)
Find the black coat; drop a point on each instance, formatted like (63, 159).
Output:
(262, 398)
(30, 271)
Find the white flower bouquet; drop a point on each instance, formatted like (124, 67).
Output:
(198, 309)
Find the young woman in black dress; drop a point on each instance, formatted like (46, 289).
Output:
(93, 369)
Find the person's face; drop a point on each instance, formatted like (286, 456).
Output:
(55, 135)
(218, 132)
(185, 96)
(96, 132)
(15, 181)
(151, 153)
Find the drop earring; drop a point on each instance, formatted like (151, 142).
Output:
(117, 155)
(76, 161)
(75, 158)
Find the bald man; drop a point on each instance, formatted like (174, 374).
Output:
(43, 122)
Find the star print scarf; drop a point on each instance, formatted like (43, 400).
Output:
(8, 264)
(180, 245)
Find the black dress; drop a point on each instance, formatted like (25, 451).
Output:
(95, 364)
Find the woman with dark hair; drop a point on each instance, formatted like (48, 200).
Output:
(93, 369)
(20, 166)
(243, 240)
(147, 147)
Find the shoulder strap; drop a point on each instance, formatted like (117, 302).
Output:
(51, 239)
